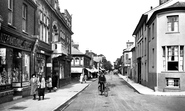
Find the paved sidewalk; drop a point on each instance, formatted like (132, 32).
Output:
(147, 91)
(51, 102)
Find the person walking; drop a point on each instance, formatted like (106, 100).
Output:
(102, 81)
(49, 83)
(85, 74)
(33, 83)
(41, 86)
(81, 78)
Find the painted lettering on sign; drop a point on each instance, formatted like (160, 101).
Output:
(10, 40)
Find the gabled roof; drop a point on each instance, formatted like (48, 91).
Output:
(146, 16)
(75, 51)
(175, 6)
(178, 4)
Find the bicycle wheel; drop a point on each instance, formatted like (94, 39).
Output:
(106, 92)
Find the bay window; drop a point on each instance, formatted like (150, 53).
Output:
(173, 58)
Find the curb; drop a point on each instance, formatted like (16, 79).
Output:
(67, 103)
(154, 93)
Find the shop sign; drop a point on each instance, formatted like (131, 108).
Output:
(5, 87)
(42, 51)
(25, 84)
(14, 41)
(16, 84)
(49, 65)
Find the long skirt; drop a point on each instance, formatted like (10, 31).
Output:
(41, 91)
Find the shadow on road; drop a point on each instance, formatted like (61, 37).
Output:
(125, 83)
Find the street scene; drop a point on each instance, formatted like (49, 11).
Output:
(109, 55)
(123, 97)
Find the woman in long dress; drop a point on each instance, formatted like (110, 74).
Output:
(41, 87)
(33, 83)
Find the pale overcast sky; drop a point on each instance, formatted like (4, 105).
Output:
(104, 26)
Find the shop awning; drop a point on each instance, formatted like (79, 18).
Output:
(89, 70)
(55, 55)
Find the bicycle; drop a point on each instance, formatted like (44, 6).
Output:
(105, 90)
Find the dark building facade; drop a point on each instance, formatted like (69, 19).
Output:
(16, 44)
(26, 38)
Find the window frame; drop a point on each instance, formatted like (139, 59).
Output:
(171, 23)
(175, 82)
(24, 17)
(179, 58)
(10, 11)
(44, 25)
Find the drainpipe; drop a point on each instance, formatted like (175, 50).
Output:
(1, 20)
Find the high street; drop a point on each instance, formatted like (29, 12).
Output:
(122, 97)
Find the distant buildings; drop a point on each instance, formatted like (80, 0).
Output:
(79, 62)
(126, 60)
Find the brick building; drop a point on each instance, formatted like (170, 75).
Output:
(28, 30)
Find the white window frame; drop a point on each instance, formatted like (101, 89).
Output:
(44, 25)
(173, 82)
(178, 56)
(173, 23)
(24, 17)
(10, 12)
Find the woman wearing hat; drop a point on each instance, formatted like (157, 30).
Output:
(33, 83)
(41, 86)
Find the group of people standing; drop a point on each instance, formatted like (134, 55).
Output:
(39, 84)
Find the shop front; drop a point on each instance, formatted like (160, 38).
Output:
(15, 65)
(61, 67)
(42, 59)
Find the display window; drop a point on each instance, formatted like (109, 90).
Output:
(14, 67)
(41, 64)
(5, 66)
(25, 67)
(17, 63)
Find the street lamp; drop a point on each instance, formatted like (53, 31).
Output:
(1, 20)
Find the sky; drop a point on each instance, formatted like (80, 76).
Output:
(104, 26)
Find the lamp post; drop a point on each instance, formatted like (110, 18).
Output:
(1, 20)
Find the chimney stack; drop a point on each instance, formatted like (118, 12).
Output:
(162, 1)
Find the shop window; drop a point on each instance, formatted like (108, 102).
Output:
(17, 60)
(173, 82)
(26, 67)
(5, 66)
(40, 64)
(61, 71)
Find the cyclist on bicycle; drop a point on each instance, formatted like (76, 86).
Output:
(101, 81)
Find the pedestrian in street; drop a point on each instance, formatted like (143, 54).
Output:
(33, 83)
(49, 83)
(41, 86)
(81, 77)
(54, 81)
(85, 75)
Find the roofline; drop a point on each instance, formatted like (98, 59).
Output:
(80, 55)
(164, 10)
(140, 23)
